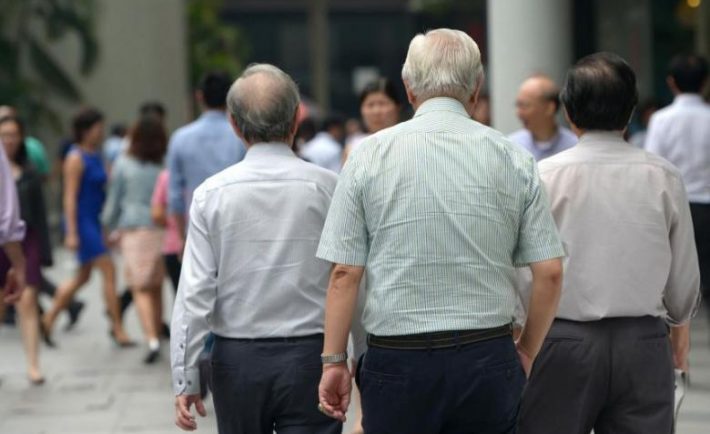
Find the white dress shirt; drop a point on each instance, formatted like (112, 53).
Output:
(249, 269)
(680, 133)
(624, 219)
(324, 151)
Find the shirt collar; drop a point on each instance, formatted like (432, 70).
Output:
(258, 150)
(595, 137)
(441, 104)
(213, 114)
(688, 99)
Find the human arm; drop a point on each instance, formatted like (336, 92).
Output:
(192, 311)
(540, 248)
(112, 208)
(681, 297)
(544, 299)
(73, 169)
(12, 231)
(335, 385)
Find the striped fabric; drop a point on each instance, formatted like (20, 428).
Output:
(440, 210)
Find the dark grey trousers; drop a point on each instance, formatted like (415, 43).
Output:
(264, 386)
(613, 376)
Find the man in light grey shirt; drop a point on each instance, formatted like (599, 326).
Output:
(250, 274)
(631, 270)
(439, 210)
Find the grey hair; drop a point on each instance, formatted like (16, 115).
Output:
(263, 103)
(443, 62)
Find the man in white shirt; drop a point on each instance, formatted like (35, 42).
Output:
(326, 149)
(631, 271)
(250, 274)
(537, 105)
(680, 133)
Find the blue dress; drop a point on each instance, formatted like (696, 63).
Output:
(92, 194)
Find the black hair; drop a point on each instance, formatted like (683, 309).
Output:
(84, 120)
(152, 108)
(118, 130)
(381, 85)
(215, 86)
(600, 92)
(689, 71)
(331, 121)
(21, 157)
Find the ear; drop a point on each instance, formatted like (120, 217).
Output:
(476, 92)
(410, 95)
(576, 130)
(236, 128)
(670, 81)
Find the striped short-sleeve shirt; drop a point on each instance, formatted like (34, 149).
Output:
(440, 210)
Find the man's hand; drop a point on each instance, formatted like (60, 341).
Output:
(334, 390)
(680, 342)
(14, 285)
(183, 417)
(525, 359)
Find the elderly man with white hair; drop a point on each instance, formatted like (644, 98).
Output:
(438, 211)
(250, 274)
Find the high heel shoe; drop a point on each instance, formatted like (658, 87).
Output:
(46, 335)
(122, 344)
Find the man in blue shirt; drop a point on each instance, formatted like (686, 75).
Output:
(536, 106)
(201, 148)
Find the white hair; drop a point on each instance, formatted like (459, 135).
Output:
(443, 62)
(263, 102)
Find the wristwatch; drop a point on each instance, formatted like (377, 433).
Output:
(333, 358)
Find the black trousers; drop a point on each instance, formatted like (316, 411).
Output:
(613, 376)
(471, 389)
(264, 386)
(173, 267)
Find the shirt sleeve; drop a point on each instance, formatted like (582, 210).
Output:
(176, 185)
(12, 228)
(345, 237)
(682, 293)
(538, 239)
(194, 304)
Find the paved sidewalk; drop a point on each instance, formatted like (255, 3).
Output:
(94, 387)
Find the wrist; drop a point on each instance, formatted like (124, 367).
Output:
(334, 358)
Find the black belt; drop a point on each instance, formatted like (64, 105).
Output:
(275, 339)
(438, 340)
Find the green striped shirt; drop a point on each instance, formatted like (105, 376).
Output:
(440, 210)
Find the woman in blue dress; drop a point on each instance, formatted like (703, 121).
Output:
(84, 196)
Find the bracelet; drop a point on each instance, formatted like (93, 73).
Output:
(333, 358)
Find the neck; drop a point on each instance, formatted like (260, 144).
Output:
(87, 146)
(545, 133)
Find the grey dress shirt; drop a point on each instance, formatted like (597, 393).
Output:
(249, 269)
(563, 140)
(624, 219)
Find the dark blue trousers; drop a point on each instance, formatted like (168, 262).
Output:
(264, 386)
(474, 388)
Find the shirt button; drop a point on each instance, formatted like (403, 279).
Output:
(182, 346)
(180, 382)
(189, 383)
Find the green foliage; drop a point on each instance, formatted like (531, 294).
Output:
(213, 44)
(29, 73)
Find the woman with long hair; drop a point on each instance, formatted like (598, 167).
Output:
(83, 199)
(128, 211)
(36, 243)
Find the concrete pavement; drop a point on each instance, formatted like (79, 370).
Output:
(94, 387)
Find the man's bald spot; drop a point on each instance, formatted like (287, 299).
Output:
(260, 90)
(542, 86)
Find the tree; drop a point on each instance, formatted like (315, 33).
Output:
(28, 71)
(213, 44)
